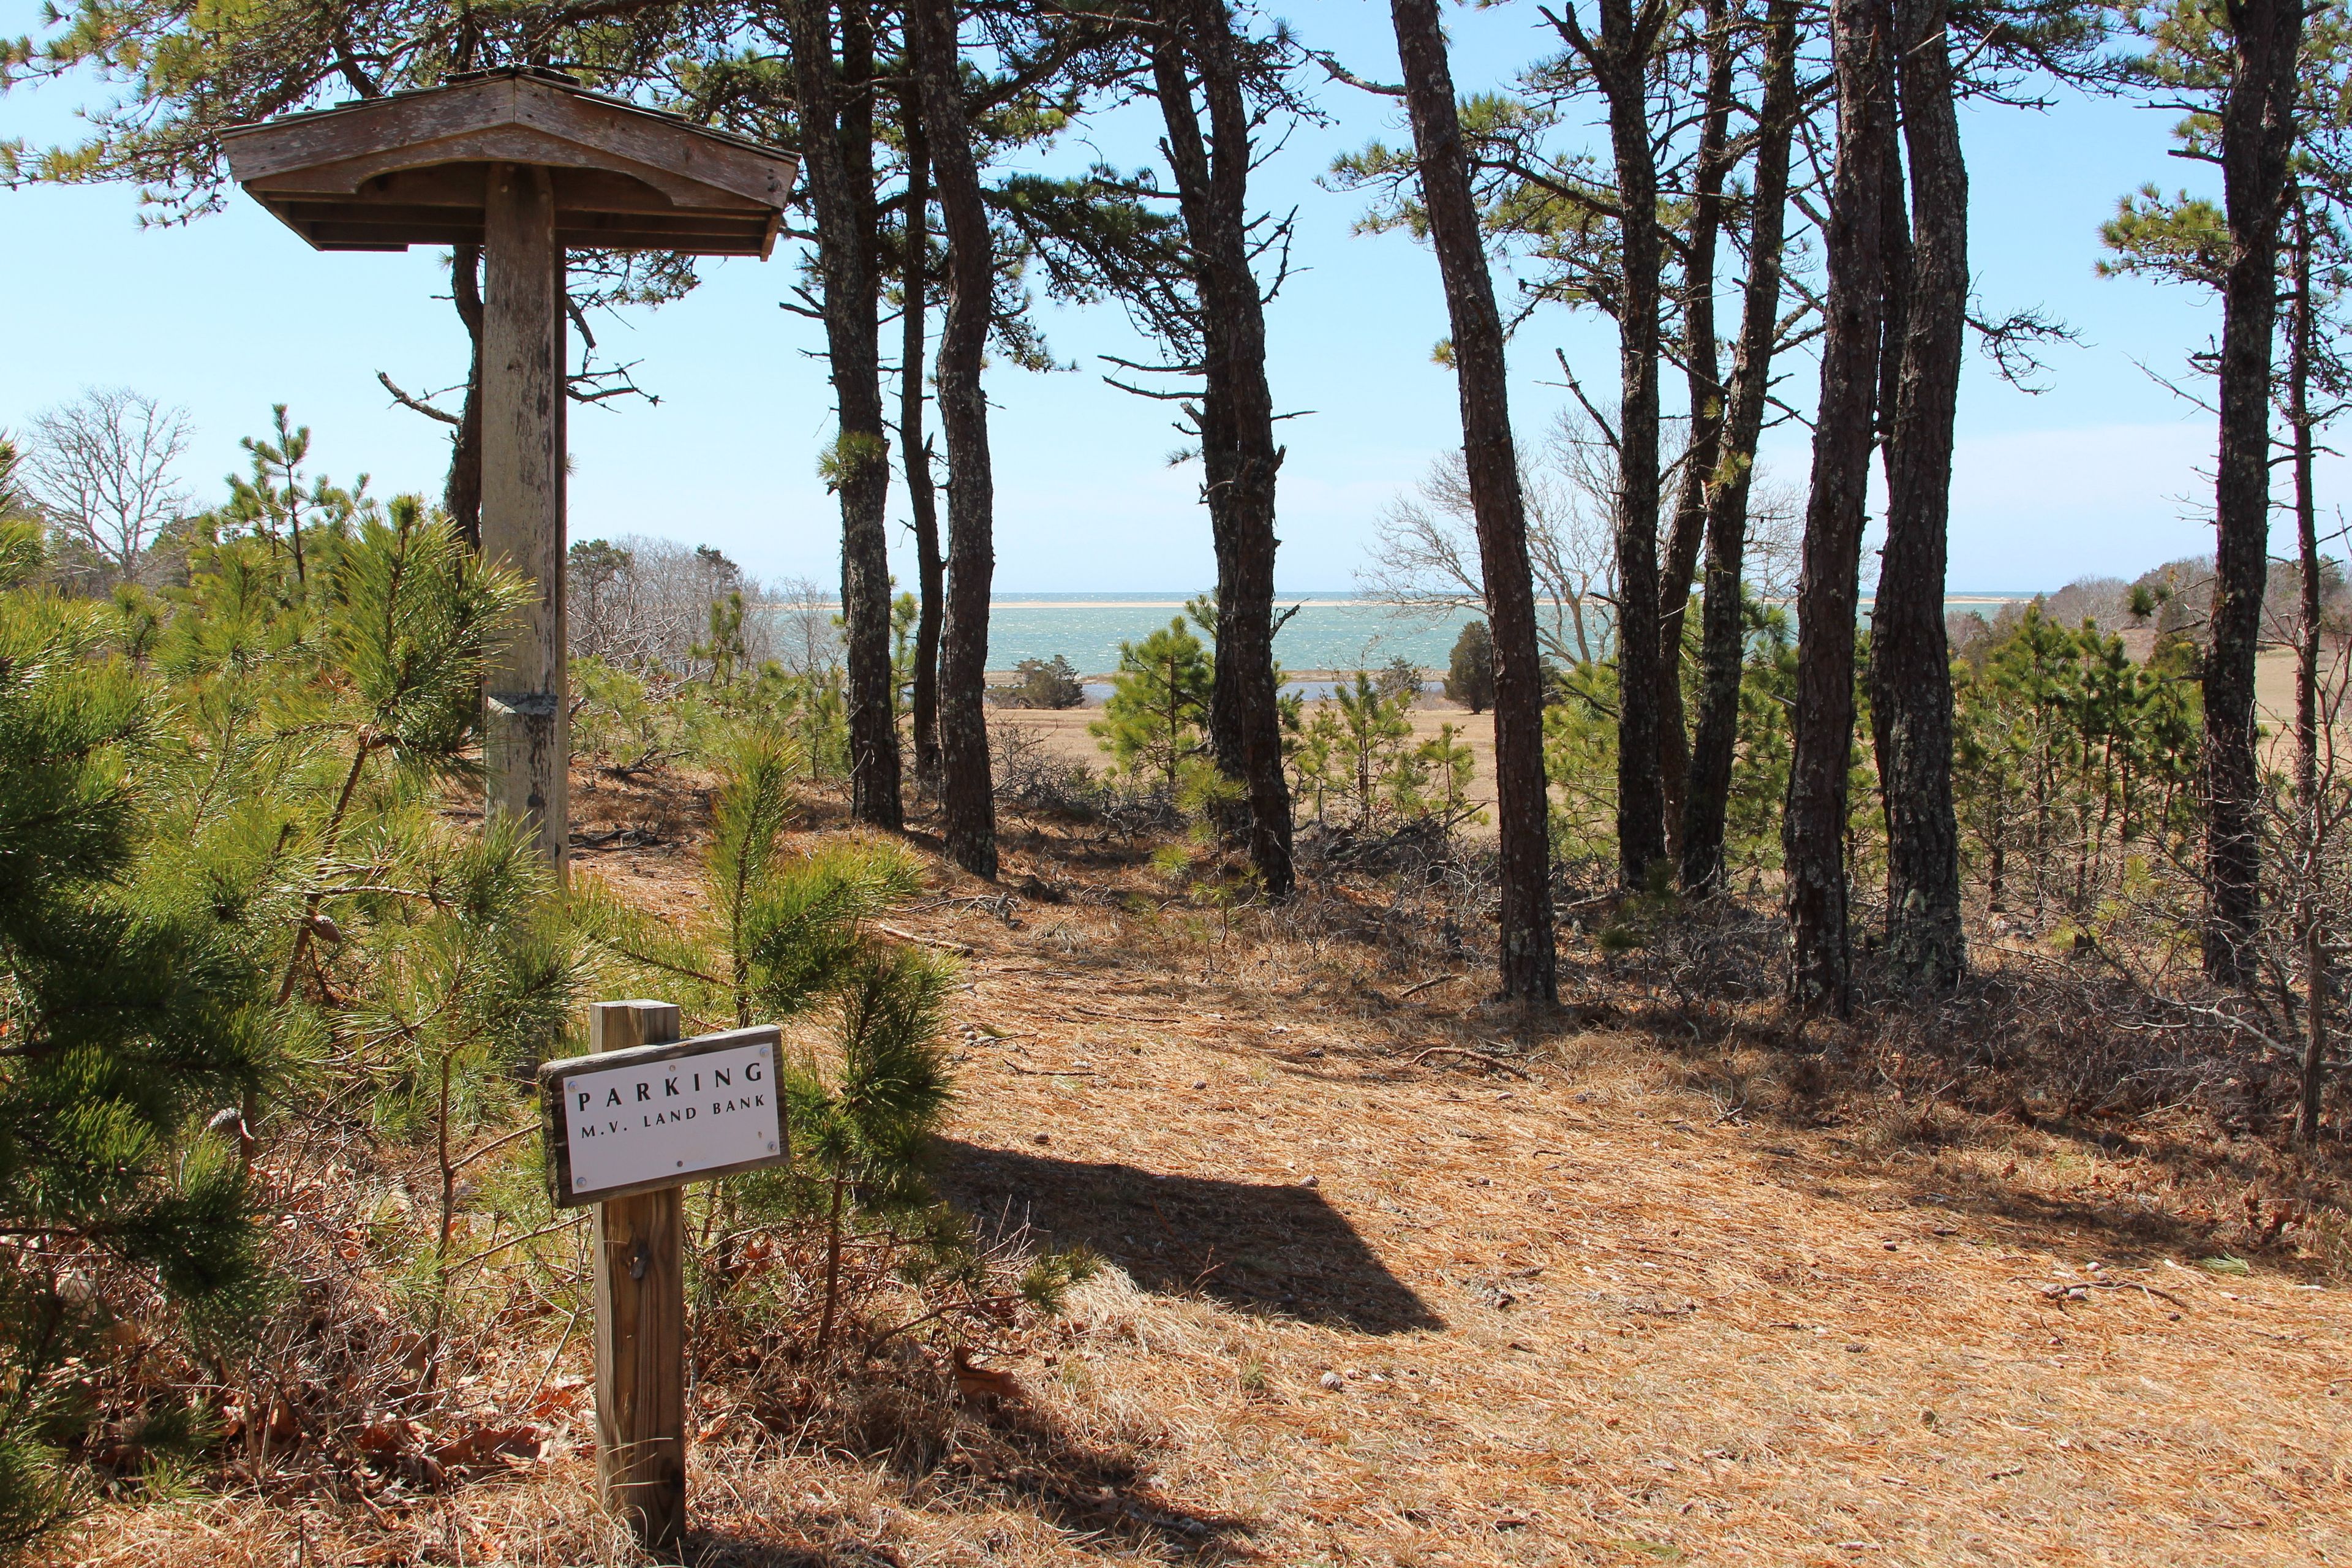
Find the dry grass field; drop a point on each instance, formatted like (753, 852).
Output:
(1061, 734)
(1378, 1296)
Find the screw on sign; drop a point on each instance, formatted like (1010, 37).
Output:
(665, 1114)
(623, 1128)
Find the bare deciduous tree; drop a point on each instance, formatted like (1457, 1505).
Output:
(645, 603)
(99, 469)
(1424, 558)
(803, 620)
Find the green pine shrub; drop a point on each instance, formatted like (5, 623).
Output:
(1470, 668)
(129, 1016)
(1156, 718)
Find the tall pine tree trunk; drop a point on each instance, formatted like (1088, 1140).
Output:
(1192, 163)
(1910, 665)
(1529, 964)
(1703, 381)
(1723, 641)
(836, 110)
(1621, 62)
(1894, 294)
(2310, 912)
(1239, 457)
(2302, 356)
(967, 791)
(2257, 133)
(461, 497)
(914, 449)
(1813, 825)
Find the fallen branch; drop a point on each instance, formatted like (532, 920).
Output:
(1425, 985)
(2148, 1290)
(1054, 1072)
(966, 949)
(1117, 1018)
(1484, 1058)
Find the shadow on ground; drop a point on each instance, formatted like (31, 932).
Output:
(1000, 1455)
(1265, 1248)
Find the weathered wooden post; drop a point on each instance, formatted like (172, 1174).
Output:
(528, 164)
(626, 1129)
(526, 731)
(641, 1321)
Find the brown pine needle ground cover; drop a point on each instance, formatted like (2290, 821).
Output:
(1372, 1301)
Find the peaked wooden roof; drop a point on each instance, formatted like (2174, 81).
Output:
(384, 174)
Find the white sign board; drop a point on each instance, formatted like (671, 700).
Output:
(659, 1116)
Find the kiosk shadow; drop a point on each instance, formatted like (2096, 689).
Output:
(1257, 1245)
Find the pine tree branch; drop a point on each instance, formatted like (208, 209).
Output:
(416, 404)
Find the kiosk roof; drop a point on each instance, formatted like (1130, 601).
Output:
(384, 174)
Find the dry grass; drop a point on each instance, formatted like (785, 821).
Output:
(1622, 1304)
(1061, 734)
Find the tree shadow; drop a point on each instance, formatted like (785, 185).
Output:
(1257, 1245)
(953, 1457)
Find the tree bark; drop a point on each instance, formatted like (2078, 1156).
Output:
(1238, 453)
(1620, 57)
(2310, 827)
(1703, 380)
(1529, 961)
(461, 497)
(914, 450)
(837, 162)
(968, 793)
(1191, 167)
(1895, 295)
(1813, 825)
(1723, 639)
(1910, 665)
(2303, 349)
(2257, 133)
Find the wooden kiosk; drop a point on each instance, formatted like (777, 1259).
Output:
(527, 164)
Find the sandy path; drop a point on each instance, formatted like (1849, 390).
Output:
(1579, 1319)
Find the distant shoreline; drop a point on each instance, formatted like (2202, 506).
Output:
(1177, 602)
(1333, 632)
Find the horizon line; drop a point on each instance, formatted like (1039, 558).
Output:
(1113, 598)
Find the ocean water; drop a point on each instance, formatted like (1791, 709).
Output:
(1330, 631)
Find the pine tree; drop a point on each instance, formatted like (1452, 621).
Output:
(15, 501)
(1451, 765)
(1372, 728)
(1048, 683)
(1157, 717)
(127, 1020)
(775, 928)
(1470, 671)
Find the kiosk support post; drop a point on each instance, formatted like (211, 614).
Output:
(525, 745)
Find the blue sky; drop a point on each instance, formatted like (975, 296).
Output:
(2099, 474)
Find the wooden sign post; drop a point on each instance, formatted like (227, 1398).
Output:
(641, 1322)
(624, 1128)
